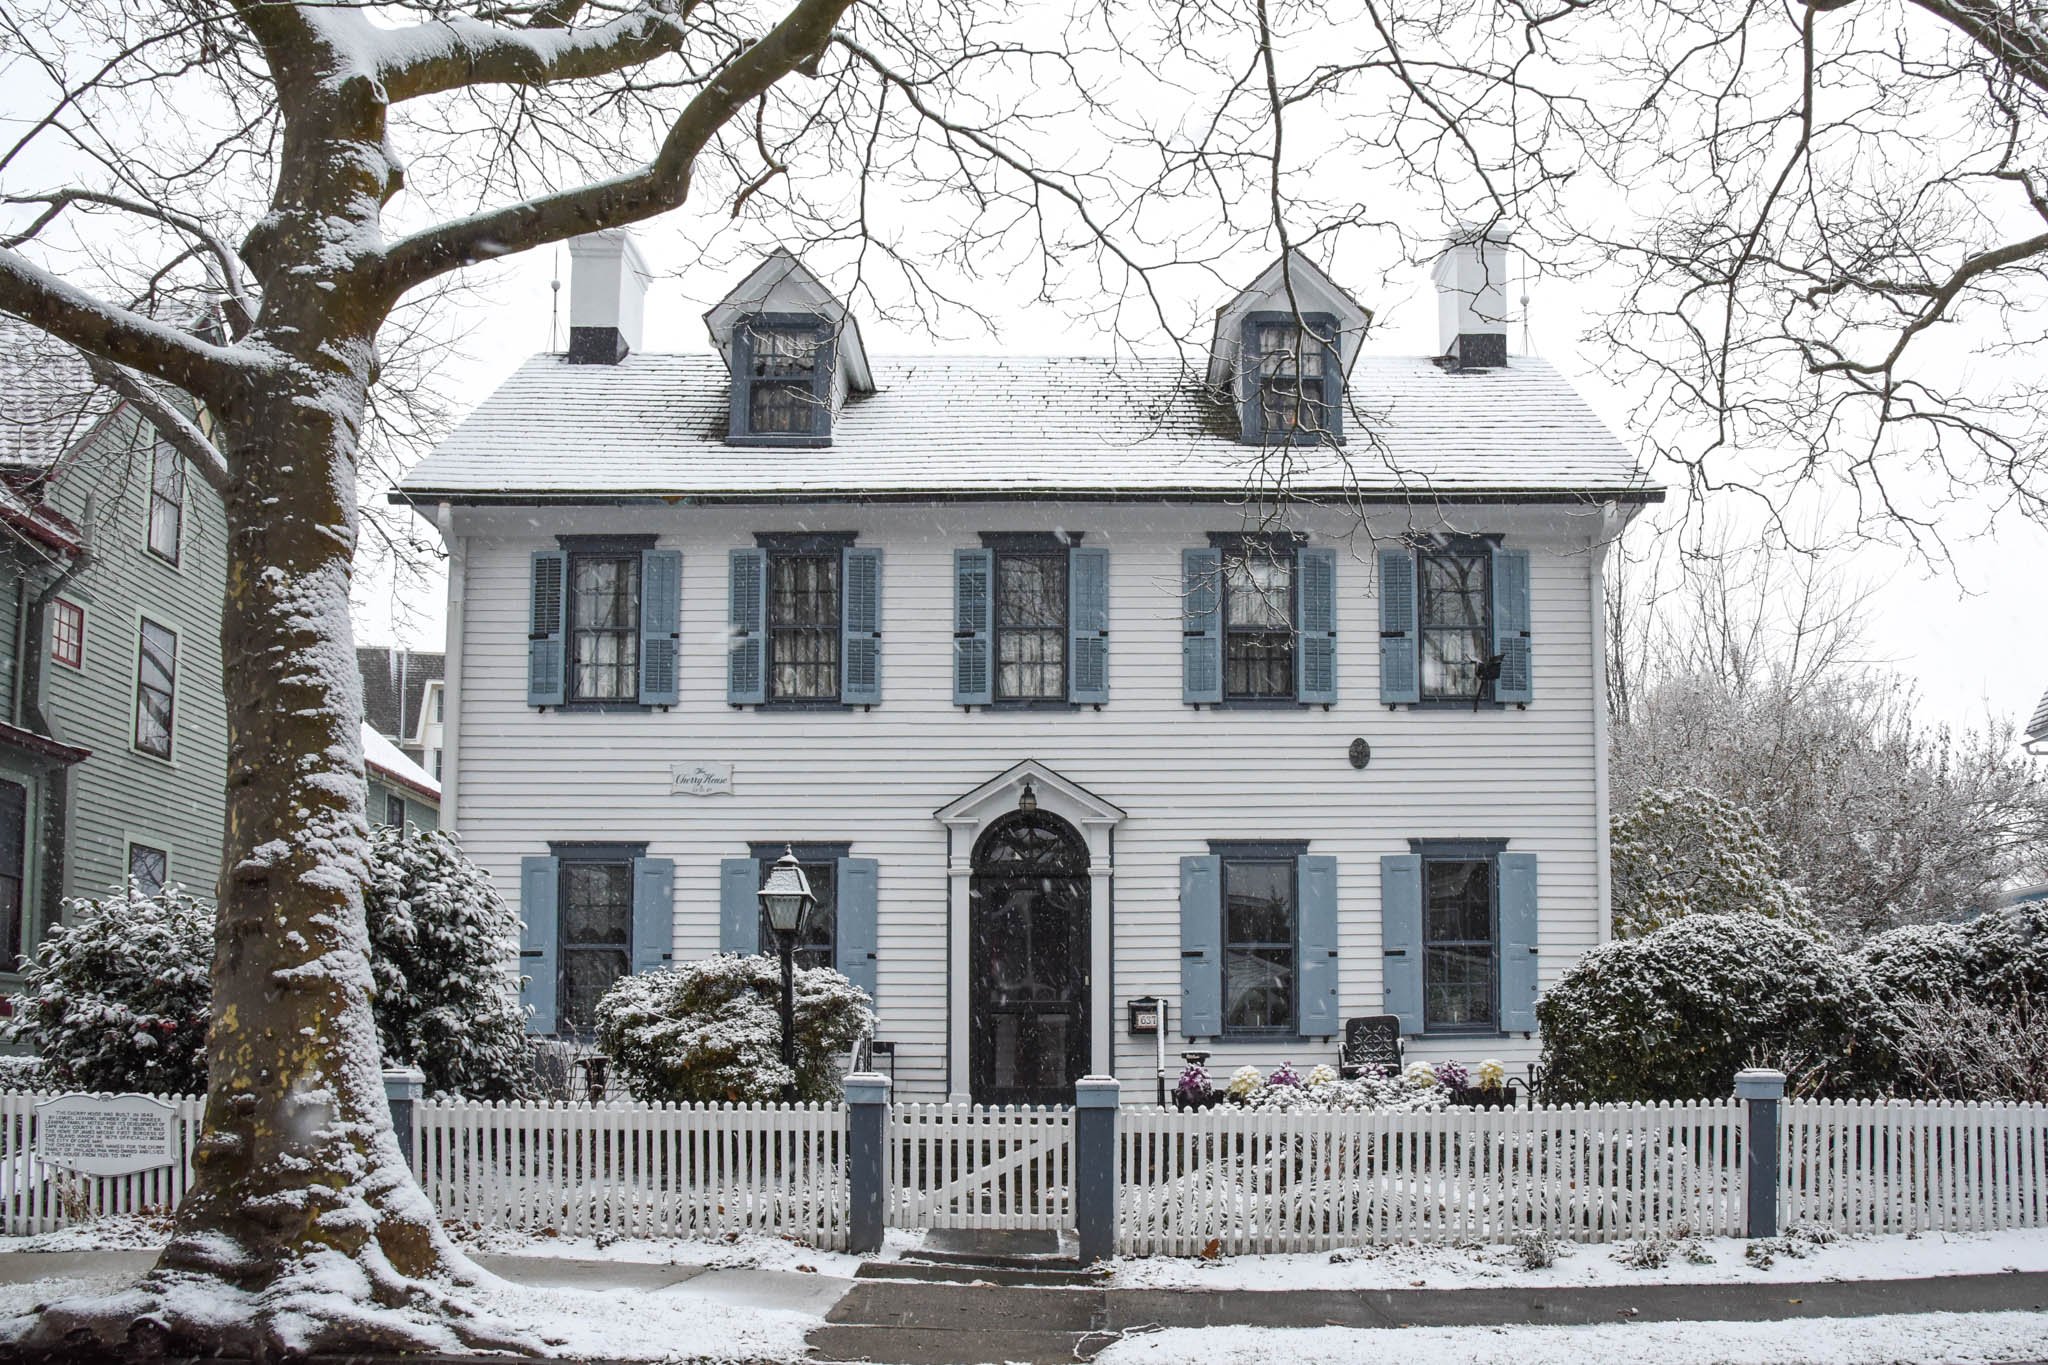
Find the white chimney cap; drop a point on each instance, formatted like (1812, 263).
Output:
(607, 295)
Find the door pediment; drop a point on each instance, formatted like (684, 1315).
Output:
(1059, 795)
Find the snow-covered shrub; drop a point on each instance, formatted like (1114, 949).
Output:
(1537, 1250)
(1994, 958)
(1646, 1253)
(712, 1030)
(1246, 1082)
(1322, 1074)
(117, 997)
(1689, 852)
(1963, 1048)
(21, 1073)
(1920, 961)
(1366, 1094)
(444, 951)
(1676, 1013)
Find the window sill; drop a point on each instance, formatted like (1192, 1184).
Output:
(1036, 704)
(786, 440)
(1448, 704)
(597, 707)
(1269, 1040)
(1260, 704)
(807, 705)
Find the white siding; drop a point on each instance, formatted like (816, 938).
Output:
(1183, 776)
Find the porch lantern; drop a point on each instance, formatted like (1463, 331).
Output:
(787, 898)
(1027, 800)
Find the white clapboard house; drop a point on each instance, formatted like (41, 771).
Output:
(1073, 681)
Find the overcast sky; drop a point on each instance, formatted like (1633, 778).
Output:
(1976, 642)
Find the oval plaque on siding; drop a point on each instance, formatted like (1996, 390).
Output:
(106, 1134)
(1361, 753)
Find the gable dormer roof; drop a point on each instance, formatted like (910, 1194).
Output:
(1292, 283)
(783, 284)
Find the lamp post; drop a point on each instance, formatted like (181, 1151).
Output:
(787, 898)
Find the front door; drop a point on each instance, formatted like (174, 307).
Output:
(1028, 946)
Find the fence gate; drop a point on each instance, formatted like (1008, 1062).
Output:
(980, 1166)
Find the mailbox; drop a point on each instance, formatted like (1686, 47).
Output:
(1144, 1016)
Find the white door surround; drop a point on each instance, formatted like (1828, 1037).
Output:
(965, 819)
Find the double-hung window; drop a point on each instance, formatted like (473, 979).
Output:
(1461, 946)
(1292, 388)
(1455, 623)
(67, 633)
(149, 870)
(156, 676)
(1258, 945)
(596, 936)
(806, 621)
(166, 501)
(1258, 622)
(604, 627)
(782, 380)
(803, 625)
(589, 914)
(1457, 630)
(605, 624)
(841, 929)
(1031, 624)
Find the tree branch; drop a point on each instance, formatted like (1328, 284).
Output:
(456, 53)
(241, 311)
(2002, 31)
(792, 45)
(116, 334)
(174, 426)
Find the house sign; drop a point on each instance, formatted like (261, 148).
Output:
(700, 779)
(106, 1134)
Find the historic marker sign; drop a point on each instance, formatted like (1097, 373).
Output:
(106, 1134)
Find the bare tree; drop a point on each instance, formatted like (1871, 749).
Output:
(524, 124)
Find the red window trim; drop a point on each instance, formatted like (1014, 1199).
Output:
(76, 658)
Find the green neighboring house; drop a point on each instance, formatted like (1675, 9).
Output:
(113, 733)
(401, 791)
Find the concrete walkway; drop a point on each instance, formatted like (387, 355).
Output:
(938, 1324)
(908, 1323)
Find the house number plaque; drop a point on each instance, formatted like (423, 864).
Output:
(700, 779)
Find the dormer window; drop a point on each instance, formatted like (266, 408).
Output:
(1293, 387)
(782, 380)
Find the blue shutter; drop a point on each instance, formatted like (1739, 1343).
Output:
(1201, 624)
(856, 937)
(973, 584)
(654, 913)
(1087, 625)
(1315, 577)
(860, 625)
(746, 667)
(1333, 372)
(1201, 947)
(742, 394)
(1400, 662)
(661, 594)
(1315, 946)
(821, 386)
(1401, 937)
(739, 906)
(1511, 626)
(1518, 956)
(539, 923)
(546, 671)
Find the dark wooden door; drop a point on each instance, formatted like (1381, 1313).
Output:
(1028, 945)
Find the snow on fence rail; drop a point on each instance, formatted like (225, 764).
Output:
(1265, 1182)
(1908, 1166)
(35, 1197)
(637, 1170)
(979, 1166)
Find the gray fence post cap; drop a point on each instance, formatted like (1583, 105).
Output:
(866, 1087)
(1759, 1083)
(404, 1083)
(1097, 1092)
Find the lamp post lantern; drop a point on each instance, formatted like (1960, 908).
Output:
(787, 898)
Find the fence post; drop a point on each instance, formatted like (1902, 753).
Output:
(1760, 1089)
(1095, 1102)
(867, 1167)
(403, 1087)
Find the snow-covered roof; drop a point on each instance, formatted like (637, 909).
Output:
(2037, 728)
(382, 757)
(948, 426)
(48, 398)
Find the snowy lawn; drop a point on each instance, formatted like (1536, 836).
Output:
(1951, 1338)
(1428, 1265)
(742, 1252)
(681, 1322)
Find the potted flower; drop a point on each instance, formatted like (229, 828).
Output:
(1194, 1090)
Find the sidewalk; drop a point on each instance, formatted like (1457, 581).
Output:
(930, 1324)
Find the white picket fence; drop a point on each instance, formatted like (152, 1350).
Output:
(976, 1166)
(1905, 1166)
(637, 1170)
(1267, 1182)
(37, 1198)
